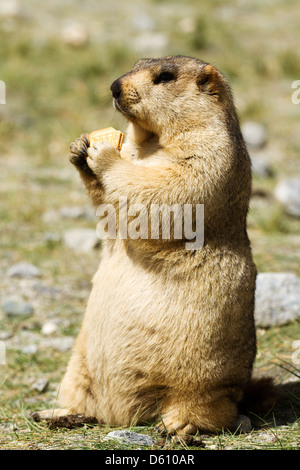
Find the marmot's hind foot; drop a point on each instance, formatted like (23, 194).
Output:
(61, 418)
(178, 428)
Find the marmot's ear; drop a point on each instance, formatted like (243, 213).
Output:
(210, 80)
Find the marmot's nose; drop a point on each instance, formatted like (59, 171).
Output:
(116, 88)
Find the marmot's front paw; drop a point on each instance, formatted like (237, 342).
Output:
(79, 153)
(101, 156)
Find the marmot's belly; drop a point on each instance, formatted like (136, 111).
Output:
(139, 322)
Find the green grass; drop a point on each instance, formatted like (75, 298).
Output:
(56, 92)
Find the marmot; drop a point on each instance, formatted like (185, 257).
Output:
(169, 333)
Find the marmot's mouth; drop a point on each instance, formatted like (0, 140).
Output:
(122, 109)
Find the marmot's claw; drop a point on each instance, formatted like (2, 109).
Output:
(79, 153)
(160, 428)
(85, 139)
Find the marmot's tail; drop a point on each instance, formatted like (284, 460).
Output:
(260, 396)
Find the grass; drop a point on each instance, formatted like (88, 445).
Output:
(56, 92)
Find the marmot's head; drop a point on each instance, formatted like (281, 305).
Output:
(172, 94)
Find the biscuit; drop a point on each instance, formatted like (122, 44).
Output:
(110, 135)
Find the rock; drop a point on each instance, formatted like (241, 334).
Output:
(277, 299)
(49, 328)
(40, 385)
(10, 8)
(81, 239)
(254, 134)
(52, 238)
(131, 437)
(23, 270)
(17, 308)
(5, 335)
(287, 193)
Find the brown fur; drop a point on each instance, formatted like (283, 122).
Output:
(167, 331)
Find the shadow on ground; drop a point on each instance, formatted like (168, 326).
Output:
(287, 408)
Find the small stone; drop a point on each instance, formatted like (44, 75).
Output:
(30, 349)
(5, 335)
(17, 308)
(8, 427)
(81, 239)
(287, 193)
(254, 134)
(131, 437)
(10, 8)
(51, 238)
(23, 270)
(49, 328)
(40, 385)
(277, 299)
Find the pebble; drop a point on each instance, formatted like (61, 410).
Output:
(40, 385)
(5, 335)
(277, 299)
(254, 134)
(81, 239)
(49, 328)
(10, 8)
(51, 238)
(17, 308)
(287, 192)
(7, 427)
(23, 270)
(30, 349)
(130, 437)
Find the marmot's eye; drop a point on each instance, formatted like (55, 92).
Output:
(164, 77)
